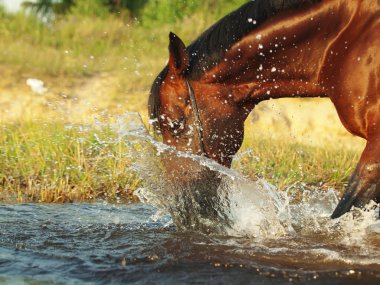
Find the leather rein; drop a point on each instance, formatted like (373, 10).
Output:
(198, 122)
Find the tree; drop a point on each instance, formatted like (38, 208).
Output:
(134, 6)
(46, 7)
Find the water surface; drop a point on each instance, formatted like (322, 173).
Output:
(102, 244)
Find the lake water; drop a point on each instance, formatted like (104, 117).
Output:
(103, 244)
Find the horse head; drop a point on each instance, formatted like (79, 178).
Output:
(194, 115)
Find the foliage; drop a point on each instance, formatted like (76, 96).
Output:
(45, 7)
(2, 11)
(90, 40)
(169, 11)
(89, 8)
(150, 11)
(134, 6)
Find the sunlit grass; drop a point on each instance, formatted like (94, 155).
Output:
(55, 162)
(86, 46)
(60, 162)
(285, 163)
(60, 149)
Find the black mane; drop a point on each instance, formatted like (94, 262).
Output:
(208, 49)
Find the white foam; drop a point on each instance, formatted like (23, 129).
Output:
(244, 208)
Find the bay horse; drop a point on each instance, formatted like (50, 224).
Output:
(274, 49)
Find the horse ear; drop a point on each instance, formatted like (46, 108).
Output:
(178, 56)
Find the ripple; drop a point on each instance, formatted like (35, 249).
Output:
(80, 243)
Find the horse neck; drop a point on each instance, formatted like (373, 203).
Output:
(284, 57)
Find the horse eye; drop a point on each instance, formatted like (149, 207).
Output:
(177, 126)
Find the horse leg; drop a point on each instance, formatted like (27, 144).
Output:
(364, 184)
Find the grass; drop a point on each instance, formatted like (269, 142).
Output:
(60, 163)
(87, 46)
(61, 147)
(287, 163)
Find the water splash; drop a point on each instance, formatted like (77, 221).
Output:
(201, 195)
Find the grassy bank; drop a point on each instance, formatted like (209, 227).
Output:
(60, 146)
(60, 162)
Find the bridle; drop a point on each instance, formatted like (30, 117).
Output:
(198, 122)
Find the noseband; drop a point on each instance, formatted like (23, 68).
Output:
(198, 122)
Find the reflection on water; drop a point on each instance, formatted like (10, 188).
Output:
(205, 224)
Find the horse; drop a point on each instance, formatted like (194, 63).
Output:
(269, 49)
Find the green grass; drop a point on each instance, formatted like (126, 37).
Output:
(83, 46)
(285, 163)
(59, 163)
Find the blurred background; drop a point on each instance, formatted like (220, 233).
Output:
(69, 68)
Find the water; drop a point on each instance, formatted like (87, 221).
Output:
(199, 223)
(102, 244)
